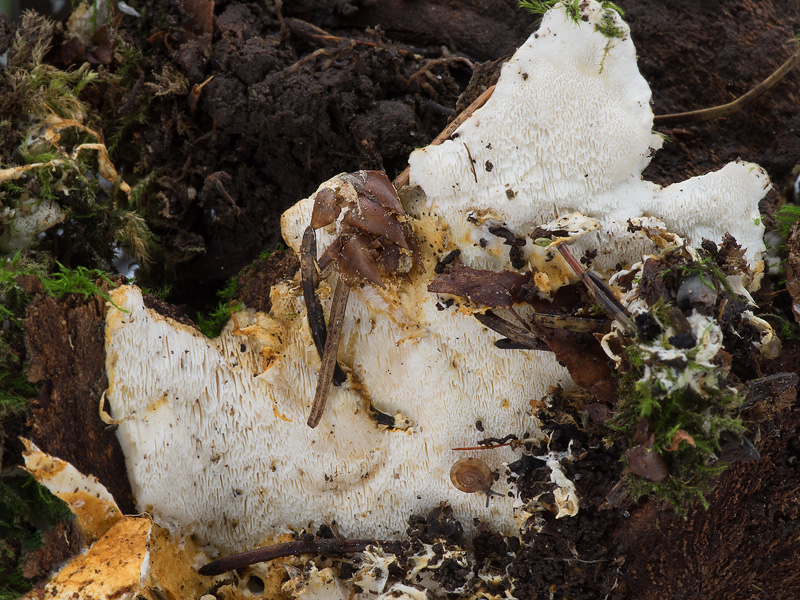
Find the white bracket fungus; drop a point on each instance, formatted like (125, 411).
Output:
(568, 128)
(136, 557)
(214, 431)
(88, 499)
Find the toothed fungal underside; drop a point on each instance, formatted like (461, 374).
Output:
(215, 431)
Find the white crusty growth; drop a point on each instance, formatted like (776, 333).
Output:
(214, 431)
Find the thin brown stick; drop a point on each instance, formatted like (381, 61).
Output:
(335, 323)
(579, 324)
(324, 546)
(314, 313)
(402, 179)
(306, 59)
(725, 110)
(312, 33)
(515, 333)
(440, 61)
(604, 296)
(483, 447)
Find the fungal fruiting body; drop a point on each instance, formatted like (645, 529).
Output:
(214, 431)
(574, 137)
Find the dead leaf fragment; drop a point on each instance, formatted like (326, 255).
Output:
(326, 208)
(489, 288)
(680, 436)
(646, 462)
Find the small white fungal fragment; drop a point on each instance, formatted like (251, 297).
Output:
(566, 496)
(314, 584)
(32, 217)
(374, 571)
(769, 343)
(400, 591)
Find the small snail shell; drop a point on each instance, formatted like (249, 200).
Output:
(472, 475)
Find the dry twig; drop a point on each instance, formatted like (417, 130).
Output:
(725, 110)
(323, 546)
(338, 307)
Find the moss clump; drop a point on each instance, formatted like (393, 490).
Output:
(539, 7)
(677, 407)
(786, 218)
(58, 282)
(608, 25)
(58, 169)
(659, 400)
(35, 88)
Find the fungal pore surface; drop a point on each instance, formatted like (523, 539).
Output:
(214, 431)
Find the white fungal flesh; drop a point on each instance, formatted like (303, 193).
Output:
(32, 217)
(205, 449)
(214, 431)
(568, 128)
(314, 584)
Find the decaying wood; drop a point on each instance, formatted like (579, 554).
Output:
(66, 345)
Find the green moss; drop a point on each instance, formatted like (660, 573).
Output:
(707, 269)
(34, 96)
(607, 26)
(43, 89)
(539, 7)
(15, 390)
(211, 323)
(786, 217)
(57, 283)
(162, 292)
(693, 398)
(96, 218)
(129, 109)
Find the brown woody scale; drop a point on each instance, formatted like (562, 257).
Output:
(375, 234)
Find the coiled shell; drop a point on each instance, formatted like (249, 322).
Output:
(472, 475)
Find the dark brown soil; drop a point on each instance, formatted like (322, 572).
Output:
(289, 106)
(286, 110)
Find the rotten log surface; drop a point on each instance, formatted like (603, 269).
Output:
(66, 345)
